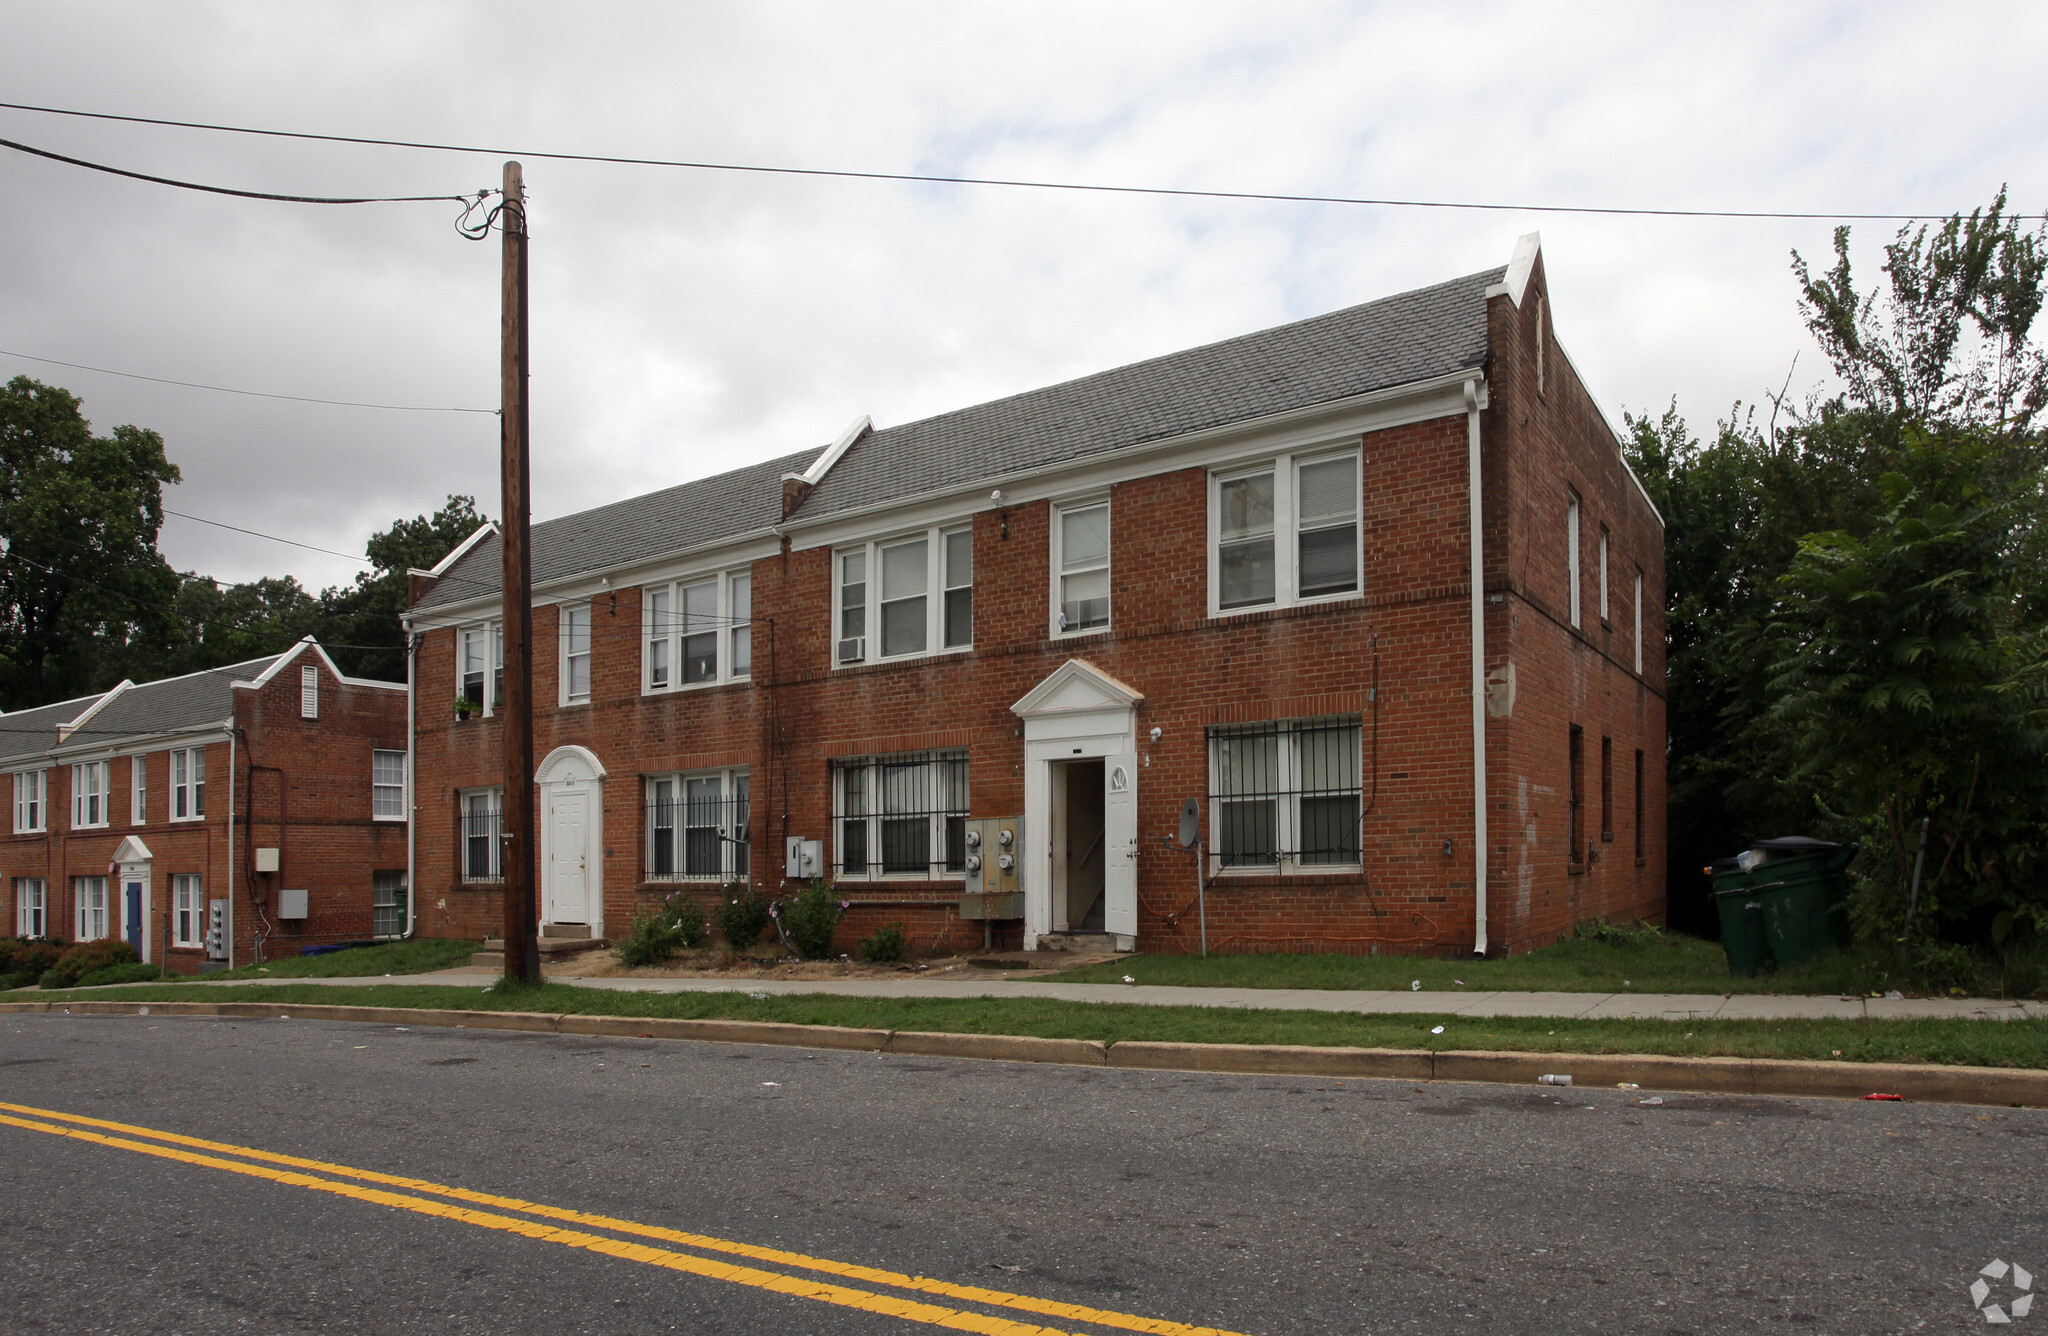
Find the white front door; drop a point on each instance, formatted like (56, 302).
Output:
(568, 857)
(1120, 843)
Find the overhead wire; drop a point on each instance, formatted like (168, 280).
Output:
(1017, 183)
(254, 394)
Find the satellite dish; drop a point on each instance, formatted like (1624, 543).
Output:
(1190, 822)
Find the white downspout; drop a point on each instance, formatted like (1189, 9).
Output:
(231, 842)
(412, 807)
(1478, 575)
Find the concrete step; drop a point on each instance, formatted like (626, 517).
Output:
(551, 948)
(489, 959)
(578, 931)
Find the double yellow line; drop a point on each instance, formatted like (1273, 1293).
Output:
(257, 1164)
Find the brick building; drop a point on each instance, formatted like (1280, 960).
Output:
(1329, 580)
(229, 816)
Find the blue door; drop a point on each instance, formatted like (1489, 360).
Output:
(135, 916)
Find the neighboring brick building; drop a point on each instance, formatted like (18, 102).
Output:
(1241, 573)
(274, 789)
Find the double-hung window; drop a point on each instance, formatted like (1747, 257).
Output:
(387, 785)
(482, 667)
(31, 907)
(89, 894)
(1285, 532)
(1571, 556)
(698, 631)
(900, 816)
(89, 794)
(28, 801)
(188, 910)
(1603, 575)
(1284, 795)
(905, 596)
(138, 790)
(387, 903)
(1081, 569)
(574, 634)
(697, 826)
(188, 783)
(479, 816)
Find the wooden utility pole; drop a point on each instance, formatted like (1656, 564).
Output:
(522, 946)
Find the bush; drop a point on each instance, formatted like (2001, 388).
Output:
(884, 944)
(650, 941)
(742, 916)
(132, 972)
(28, 955)
(810, 917)
(685, 918)
(84, 958)
(18, 979)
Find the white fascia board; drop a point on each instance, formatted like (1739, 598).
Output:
(64, 730)
(1515, 282)
(1601, 409)
(263, 678)
(834, 452)
(1213, 447)
(128, 745)
(461, 549)
(645, 570)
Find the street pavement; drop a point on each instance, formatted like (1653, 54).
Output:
(1247, 1204)
(1465, 1002)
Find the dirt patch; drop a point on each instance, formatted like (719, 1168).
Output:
(715, 964)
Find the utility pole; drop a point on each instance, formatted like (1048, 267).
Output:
(522, 947)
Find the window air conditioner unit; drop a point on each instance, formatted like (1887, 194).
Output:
(853, 649)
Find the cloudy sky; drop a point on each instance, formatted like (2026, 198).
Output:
(686, 322)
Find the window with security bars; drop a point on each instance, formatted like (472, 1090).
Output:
(900, 816)
(1285, 794)
(697, 826)
(387, 903)
(480, 821)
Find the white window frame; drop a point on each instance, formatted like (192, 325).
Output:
(1058, 583)
(494, 805)
(188, 910)
(383, 788)
(93, 919)
(31, 801)
(664, 633)
(1286, 470)
(565, 615)
(1571, 558)
(309, 691)
(1639, 622)
(187, 767)
(935, 811)
(138, 789)
(733, 816)
(1286, 792)
(90, 781)
(1603, 576)
(31, 907)
(388, 893)
(936, 588)
(489, 637)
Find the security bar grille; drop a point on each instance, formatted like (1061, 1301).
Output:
(1285, 792)
(900, 816)
(697, 827)
(483, 848)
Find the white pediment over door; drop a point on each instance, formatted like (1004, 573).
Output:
(1076, 687)
(133, 850)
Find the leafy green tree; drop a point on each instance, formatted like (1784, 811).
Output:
(362, 619)
(81, 582)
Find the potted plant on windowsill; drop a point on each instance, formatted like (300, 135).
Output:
(465, 707)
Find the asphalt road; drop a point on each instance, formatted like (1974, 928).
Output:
(1259, 1205)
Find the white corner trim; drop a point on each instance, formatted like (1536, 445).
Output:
(1515, 282)
(836, 451)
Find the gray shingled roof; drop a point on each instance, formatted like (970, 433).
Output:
(32, 732)
(1431, 332)
(674, 519)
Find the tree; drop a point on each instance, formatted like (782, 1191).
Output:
(81, 582)
(362, 619)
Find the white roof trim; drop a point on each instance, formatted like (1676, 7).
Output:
(834, 452)
(263, 678)
(133, 850)
(1516, 281)
(64, 731)
(1108, 692)
(460, 550)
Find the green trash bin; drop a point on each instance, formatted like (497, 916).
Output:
(1804, 888)
(1743, 935)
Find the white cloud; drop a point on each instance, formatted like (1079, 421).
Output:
(686, 322)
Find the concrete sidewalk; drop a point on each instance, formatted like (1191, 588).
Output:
(1564, 1006)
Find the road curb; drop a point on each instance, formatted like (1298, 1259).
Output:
(1928, 1083)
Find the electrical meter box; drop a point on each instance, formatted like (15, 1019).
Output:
(995, 865)
(291, 904)
(217, 930)
(266, 860)
(802, 859)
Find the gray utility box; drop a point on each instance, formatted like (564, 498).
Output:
(291, 904)
(995, 865)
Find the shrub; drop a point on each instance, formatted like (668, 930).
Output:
(650, 941)
(742, 916)
(132, 972)
(86, 957)
(20, 955)
(884, 944)
(810, 917)
(18, 979)
(685, 918)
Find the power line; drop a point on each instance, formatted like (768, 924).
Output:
(352, 556)
(226, 190)
(254, 394)
(1004, 182)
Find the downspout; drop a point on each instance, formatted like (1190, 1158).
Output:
(412, 645)
(231, 841)
(1478, 576)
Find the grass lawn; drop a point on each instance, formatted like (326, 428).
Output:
(2022, 1043)
(1640, 962)
(418, 956)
